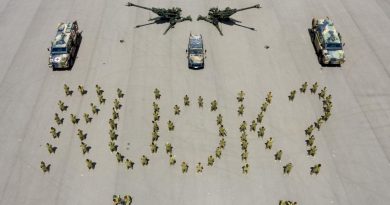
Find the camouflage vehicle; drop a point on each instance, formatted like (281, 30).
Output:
(327, 42)
(64, 48)
(195, 52)
(172, 15)
(216, 16)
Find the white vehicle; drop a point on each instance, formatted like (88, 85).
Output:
(196, 52)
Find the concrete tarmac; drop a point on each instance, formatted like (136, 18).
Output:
(353, 146)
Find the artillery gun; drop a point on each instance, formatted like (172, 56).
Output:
(216, 16)
(171, 15)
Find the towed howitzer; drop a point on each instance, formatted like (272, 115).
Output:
(171, 15)
(215, 15)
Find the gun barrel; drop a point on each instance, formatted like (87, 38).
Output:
(142, 7)
(250, 7)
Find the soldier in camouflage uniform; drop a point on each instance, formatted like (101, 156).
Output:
(115, 114)
(168, 148)
(244, 155)
(184, 167)
(292, 95)
(155, 107)
(245, 168)
(172, 160)
(156, 128)
(322, 93)
(318, 123)
(52, 149)
(81, 135)
(253, 125)
(127, 199)
(129, 164)
(222, 143)
(243, 126)
(287, 168)
(116, 199)
(68, 92)
(117, 104)
(303, 87)
(199, 168)
(144, 160)
(313, 89)
(99, 90)
(315, 169)
(120, 93)
(157, 94)
(62, 106)
(326, 116)
(90, 164)
(200, 101)
(269, 97)
(94, 108)
(113, 146)
(210, 161)
(241, 96)
(222, 131)
(260, 117)
(54, 132)
(84, 148)
(156, 116)
(113, 135)
(119, 157)
(186, 100)
(155, 136)
(264, 107)
(241, 110)
(74, 119)
(312, 151)
(102, 100)
(261, 131)
(218, 152)
(112, 124)
(278, 155)
(45, 168)
(153, 147)
(82, 90)
(219, 119)
(268, 144)
(310, 140)
(214, 105)
(87, 118)
(309, 130)
(171, 126)
(176, 109)
(58, 120)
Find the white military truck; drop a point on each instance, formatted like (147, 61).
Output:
(64, 48)
(195, 52)
(327, 42)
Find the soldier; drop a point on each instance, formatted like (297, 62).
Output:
(171, 126)
(102, 100)
(244, 144)
(329, 98)
(253, 126)
(68, 92)
(241, 96)
(157, 94)
(74, 119)
(129, 164)
(45, 168)
(144, 160)
(186, 101)
(315, 169)
(313, 89)
(82, 90)
(119, 157)
(310, 141)
(156, 128)
(260, 117)
(113, 125)
(268, 144)
(117, 104)
(261, 131)
(309, 130)
(176, 109)
(113, 135)
(200, 101)
(222, 131)
(87, 118)
(199, 168)
(322, 93)
(168, 148)
(81, 135)
(115, 114)
(120, 93)
(318, 123)
(278, 155)
(292, 95)
(156, 116)
(99, 90)
(113, 146)
(184, 167)
(210, 161)
(264, 107)
(245, 168)
(243, 126)
(269, 97)
(222, 143)
(214, 105)
(172, 160)
(241, 110)
(153, 147)
(94, 108)
(155, 107)
(326, 116)
(52, 149)
(58, 120)
(127, 199)
(219, 119)
(84, 148)
(312, 151)
(244, 156)
(287, 168)
(62, 106)
(90, 164)
(155, 136)
(218, 152)
(303, 88)
(54, 132)
(116, 199)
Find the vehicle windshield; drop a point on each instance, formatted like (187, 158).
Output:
(58, 50)
(333, 46)
(196, 51)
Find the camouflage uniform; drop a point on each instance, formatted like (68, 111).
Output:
(176, 109)
(172, 160)
(157, 94)
(85, 148)
(222, 143)
(129, 164)
(81, 134)
(113, 125)
(310, 141)
(113, 146)
(45, 168)
(199, 168)
(90, 164)
(153, 147)
(261, 131)
(117, 104)
(155, 107)
(200, 101)
(54, 132)
(312, 151)
(322, 93)
(243, 126)
(292, 95)
(186, 100)
(278, 155)
(218, 152)
(120, 93)
(168, 148)
(99, 90)
(119, 157)
(62, 106)
(58, 120)
(171, 126)
(244, 156)
(309, 130)
(68, 92)
(156, 128)
(74, 119)
(241, 110)
(155, 136)
(113, 135)
(264, 107)
(315, 169)
(260, 117)
(144, 160)
(210, 160)
(268, 144)
(156, 116)
(82, 90)
(214, 105)
(245, 168)
(219, 119)
(87, 118)
(102, 100)
(94, 108)
(313, 89)
(269, 97)
(241, 96)
(184, 167)
(222, 131)
(253, 125)
(318, 123)
(287, 168)
(115, 114)
(52, 149)
(127, 199)
(303, 87)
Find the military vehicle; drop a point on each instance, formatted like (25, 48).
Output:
(65, 46)
(172, 15)
(327, 42)
(216, 16)
(195, 52)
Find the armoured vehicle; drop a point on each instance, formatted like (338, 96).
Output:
(216, 16)
(327, 42)
(195, 52)
(64, 48)
(172, 15)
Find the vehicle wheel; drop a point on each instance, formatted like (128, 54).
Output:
(313, 23)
